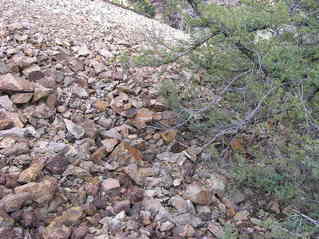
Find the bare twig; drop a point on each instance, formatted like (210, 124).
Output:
(313, 221)
(188, 50)
(215, 101)
(241, 124)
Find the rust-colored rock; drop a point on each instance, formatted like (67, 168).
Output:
(30, 174)
(197, 194)
(124, 153)
(169, 135)
(41, 192)
(101, 105)
(6, 124)
(70, 217)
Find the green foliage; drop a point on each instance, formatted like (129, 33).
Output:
(263, 64)
(145, 6)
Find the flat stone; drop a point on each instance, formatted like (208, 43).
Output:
(179, 203)
(21, 98)
(197, 194)
(109, 184)
(9, 82)
(23, 61)
(31, 70)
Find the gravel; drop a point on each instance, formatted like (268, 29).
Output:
(102, 14)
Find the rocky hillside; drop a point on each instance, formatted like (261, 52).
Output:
(86, 147)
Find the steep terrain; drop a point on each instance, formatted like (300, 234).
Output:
(80, 156)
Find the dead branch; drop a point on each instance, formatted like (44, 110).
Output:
(242, 124)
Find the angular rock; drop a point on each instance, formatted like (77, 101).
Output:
(171, 157)
(13, 202)
(112, 133)
(198, 194)
(110, 144)
(90, 128)
(36, 76)
(109, 184)
(30, 70)
(83, 51)
(101, 105)
(125, 154)
(70, 217)
(21, 98)
(80, 232)
(80, 92)
(3, 68)
(121, 206)
(166, 226)
(30, 174)
(6, 103)
(6, 124)
(10, 83)
(217, 183)
(17, 149)
(133, 172)
(57, 165)
(76, 171)
(5, 219)
(61, 232)
(179, 203)
(18, 132)
(76, 130)
(216, 229)
(40, 92)
(188, 219)
(40, 192)
(169, 135)
(23, 61)
(14, 117)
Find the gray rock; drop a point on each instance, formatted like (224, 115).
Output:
(76, 130)
(171, 157)
(188, 218)
(6, 103)
(3, 68)
(83, 51)
(80, 92)
(198, 194)
(166, 226)
(13, 202)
